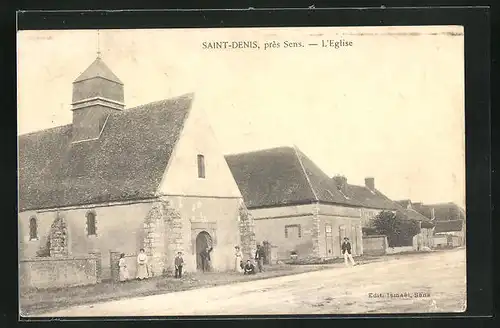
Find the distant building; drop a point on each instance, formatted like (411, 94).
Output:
(119, 179)
(426, 235)
(295, 205)
(449, 219)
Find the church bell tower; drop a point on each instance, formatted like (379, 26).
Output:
(97, 93)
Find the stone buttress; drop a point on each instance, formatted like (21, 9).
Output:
(163, 237)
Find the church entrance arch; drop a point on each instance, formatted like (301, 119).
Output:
(203, 241)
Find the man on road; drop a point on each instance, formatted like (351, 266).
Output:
(346, 250)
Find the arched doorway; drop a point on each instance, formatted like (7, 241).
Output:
(203, 240)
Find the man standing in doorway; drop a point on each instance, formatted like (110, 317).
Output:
(346, 250)
(205, 258)
(259, 257)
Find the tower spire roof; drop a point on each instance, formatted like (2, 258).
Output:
(98, 69)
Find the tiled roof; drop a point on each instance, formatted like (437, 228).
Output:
(371, 199)
(283, 176)
(98, 69)
(404, 203)
(442, 211)
(126, 162)
(448, 226)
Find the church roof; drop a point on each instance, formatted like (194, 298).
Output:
(98, 69)
(283, 176)
(126, 162)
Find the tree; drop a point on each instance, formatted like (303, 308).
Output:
(397, 227)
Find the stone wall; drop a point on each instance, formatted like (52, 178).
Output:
(400, 249)
(120, 228)
(56, 272)
(98, 256)
(375, 245)
(247, 232)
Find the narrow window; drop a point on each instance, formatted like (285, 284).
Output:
(201, 166)
(91, 229)
(33, 229)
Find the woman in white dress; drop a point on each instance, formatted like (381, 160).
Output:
(142, 265)
(123, 268)
(238, 258)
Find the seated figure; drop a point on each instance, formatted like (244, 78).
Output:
(249, 268)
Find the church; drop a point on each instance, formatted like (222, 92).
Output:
(120, 179)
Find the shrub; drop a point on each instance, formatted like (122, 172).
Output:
(398, 229)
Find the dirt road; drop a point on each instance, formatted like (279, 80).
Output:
(439, 277)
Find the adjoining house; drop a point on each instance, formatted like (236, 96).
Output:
(372, 199)
(295, 205)
(425, 237)
(453, 230)
(117, 180)
(449, 219)
(374, 202)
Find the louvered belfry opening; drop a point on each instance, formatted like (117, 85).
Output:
(97, 93)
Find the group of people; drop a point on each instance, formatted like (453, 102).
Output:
(248, 267)
(143, 268)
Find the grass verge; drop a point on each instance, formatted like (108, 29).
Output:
(35, 302)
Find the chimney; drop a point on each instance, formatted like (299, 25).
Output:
(97, 93)
(370, 183)
(341, 182)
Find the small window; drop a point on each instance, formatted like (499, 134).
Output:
(91, 226)
(201, 166)
(33, 229)
(328, 229)
(293, 231)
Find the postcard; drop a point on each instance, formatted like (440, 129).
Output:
(241, 171)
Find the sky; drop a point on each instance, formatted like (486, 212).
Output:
(390, 106)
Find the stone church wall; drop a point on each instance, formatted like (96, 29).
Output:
(119, 228)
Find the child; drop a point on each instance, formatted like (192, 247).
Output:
(179, 262)
(122, 264)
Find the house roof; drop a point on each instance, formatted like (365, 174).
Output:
(370, 199)
(404, 203)
(442, 211)
(98, 69)
(126, 162)
(283, 176)
(448, 226)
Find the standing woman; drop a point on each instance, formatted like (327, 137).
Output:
(142, 265)
(123, 268)
(238, 259)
